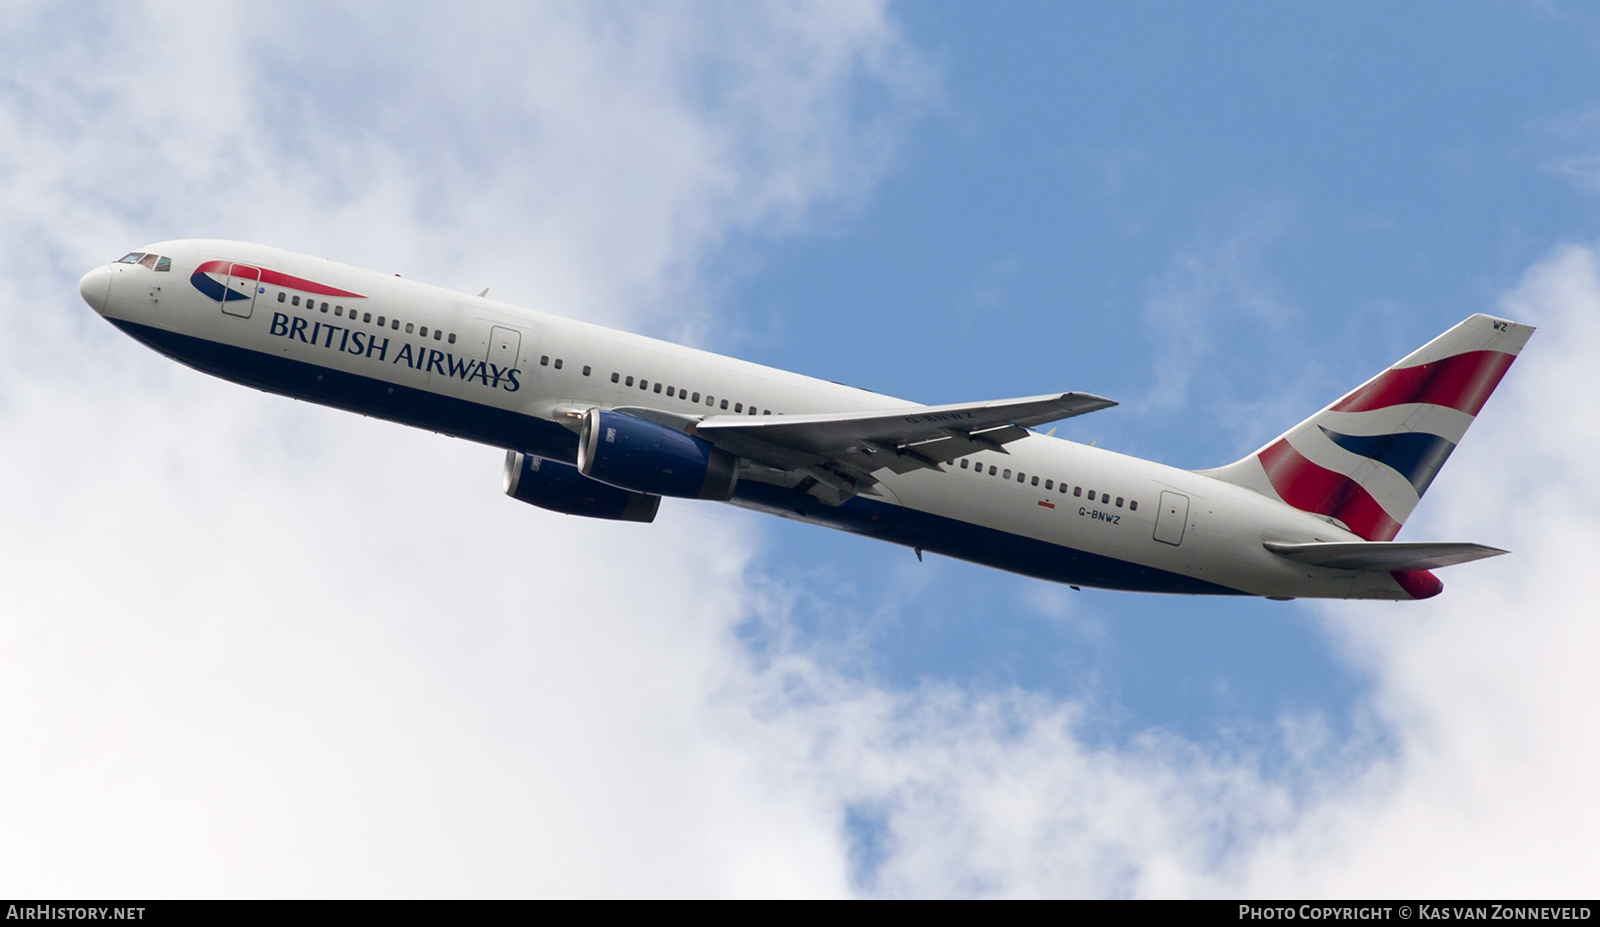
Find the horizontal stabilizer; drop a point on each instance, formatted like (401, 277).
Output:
(1383, 555)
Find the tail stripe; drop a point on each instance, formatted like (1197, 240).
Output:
(1462, 382)
(1415, 455)
(1365, 461)
(1313, 488)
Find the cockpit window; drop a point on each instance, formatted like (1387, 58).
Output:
(146, 260)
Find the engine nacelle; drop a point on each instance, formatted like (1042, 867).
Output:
(631, 453)
(561, 488)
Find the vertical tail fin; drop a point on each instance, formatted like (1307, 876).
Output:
(1366, 460)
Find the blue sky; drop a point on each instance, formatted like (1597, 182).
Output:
(1284, 199)
(252, 647)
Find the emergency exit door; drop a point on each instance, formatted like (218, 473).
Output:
(1172, 518)
(505, 346)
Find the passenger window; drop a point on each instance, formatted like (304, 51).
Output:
(1036, 482)
(724, 403)
(671, 392)
(1063, 489)
(163, 265)
(1049, 484)
(616, 377)
(1119, 502)
(738, 407)
(766, 411)
(295, 301)
(338, 310)
(558, 363)
(695, 398)
(410, 328)
(324, 307)
(752, 410)
(367, 317)
(1078, 491)
(148, 260)
(963, 463)
(544, 361)
(658, 386)
(423, 331)
(394, 324)
(629, 382)
(437, 334)
(1091, 495)
(282, 296)
(585, 369)
(1133, 505)
(452, 338)
(991, 469)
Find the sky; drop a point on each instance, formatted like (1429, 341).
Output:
(252, 647)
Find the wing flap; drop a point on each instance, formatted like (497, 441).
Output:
(1383, 555)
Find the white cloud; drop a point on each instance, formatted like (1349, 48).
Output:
(255, 647)
(1472, 776)
(251, 647)
(1489, 687)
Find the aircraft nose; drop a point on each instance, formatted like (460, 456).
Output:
(94, 286)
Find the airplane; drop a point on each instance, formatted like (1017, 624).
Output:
(603, 424)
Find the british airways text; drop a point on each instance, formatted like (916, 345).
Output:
(365, 344)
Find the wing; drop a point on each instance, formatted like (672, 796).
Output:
(841, 451)
(1383, 555)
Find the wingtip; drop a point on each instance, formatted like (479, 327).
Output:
(1104, 403)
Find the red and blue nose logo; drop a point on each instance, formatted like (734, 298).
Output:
(226, 281)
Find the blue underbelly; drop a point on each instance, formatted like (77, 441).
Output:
(531, 435)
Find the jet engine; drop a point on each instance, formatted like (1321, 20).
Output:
(561, 488)
(631, 453)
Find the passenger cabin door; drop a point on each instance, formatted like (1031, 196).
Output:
(243, 282)
(1172, 518)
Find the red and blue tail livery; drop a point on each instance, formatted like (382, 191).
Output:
(1365, 461)
(603, 424)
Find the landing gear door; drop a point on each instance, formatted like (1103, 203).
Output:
(1172, 518)
(244, 282)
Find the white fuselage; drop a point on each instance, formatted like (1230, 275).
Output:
(497, 373)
